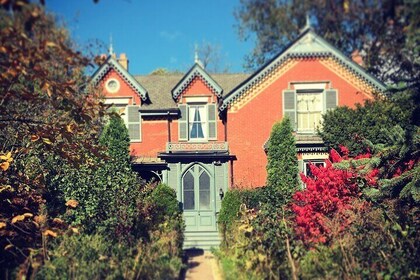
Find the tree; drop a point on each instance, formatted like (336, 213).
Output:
(46, 111)
(385, 33)
(211, 57)
(282, 167)
(367, 125)
(115, 137)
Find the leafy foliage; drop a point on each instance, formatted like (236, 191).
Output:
(45, 112)
(385, 33)
(282, 167)
(366, 126)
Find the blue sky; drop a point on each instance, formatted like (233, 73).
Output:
(155, 33)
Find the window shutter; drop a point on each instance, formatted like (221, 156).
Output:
(212, 121)
(300, 165)
(289, 106)
(330, 99)
(133, 122)
(183, 123)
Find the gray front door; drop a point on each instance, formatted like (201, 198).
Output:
(198, 198)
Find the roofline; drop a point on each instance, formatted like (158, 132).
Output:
(261, 71)
(110, 62)
(196, 70)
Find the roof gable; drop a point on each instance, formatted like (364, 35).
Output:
(308, 44)
(112, 63)
(197, 71)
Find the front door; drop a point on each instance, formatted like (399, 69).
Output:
(198, 198)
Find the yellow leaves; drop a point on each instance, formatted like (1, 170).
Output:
(346, 6)
(246, 228)
(74, 230)
(70, 127)
(2, 225)
(4, 165)
(72, 203)
(7, 158)
(8, 247)
(20, 218)
(47, 141)
(49, 232)
(58, 221)
(28, 215)
(47, 88)
(50, 44)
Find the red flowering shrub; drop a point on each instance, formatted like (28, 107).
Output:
(330, 191)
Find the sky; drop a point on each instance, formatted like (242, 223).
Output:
(155, 33)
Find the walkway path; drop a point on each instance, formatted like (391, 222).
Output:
(201, 266)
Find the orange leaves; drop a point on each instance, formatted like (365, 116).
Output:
(2, 225)
(49, 232)
(72, 203)
(20, 218)
(34, 138)
(7, 159)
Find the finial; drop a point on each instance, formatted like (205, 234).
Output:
(307, 24)
(308, 21)
(196, 60)
(111, 49)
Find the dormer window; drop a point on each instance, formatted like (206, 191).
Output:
(197, 122)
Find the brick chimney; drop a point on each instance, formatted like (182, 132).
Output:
(123, 61)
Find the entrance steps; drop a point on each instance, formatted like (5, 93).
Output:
(201, 240)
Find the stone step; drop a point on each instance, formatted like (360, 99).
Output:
(201, 240)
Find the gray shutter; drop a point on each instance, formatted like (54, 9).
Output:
(330, 99)
(289, 106)
(133, 122)
(300, 165)
(183, 123)
(211, 110)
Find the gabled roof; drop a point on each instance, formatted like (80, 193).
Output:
(307, 44)
(112, 63)
(159, 87)
(196, 71)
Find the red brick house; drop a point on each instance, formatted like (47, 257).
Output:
(203, 133)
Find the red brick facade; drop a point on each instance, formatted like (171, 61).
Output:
(246, 110)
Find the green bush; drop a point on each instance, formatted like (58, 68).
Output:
(94, 257)
(282, 165)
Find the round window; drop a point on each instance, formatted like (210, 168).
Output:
(112, 85)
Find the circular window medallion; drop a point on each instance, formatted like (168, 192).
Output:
(112, 85)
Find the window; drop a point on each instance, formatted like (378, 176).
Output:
(129, 113)
(197, 122)
(307, 169)
(305, 105)
(309, 110)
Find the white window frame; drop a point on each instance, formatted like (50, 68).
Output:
(301, 88)
(204, 123)
(313, 161)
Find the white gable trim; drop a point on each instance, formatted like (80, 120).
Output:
(111, 63)
(308, 44)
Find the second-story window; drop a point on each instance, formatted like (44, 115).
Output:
(306, 103)
(197, 122)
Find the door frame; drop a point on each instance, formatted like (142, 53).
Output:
(213, 194)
